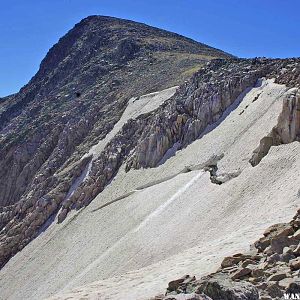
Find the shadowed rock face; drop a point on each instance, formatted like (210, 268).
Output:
(78, 94)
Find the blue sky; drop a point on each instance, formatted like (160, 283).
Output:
(245, 28)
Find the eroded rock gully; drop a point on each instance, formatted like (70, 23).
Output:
(141, 142)
(270, 270)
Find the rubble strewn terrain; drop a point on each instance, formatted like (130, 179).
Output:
(270, 269)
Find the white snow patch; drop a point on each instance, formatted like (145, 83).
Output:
(133, 231)
(169, 201)
(83, 176)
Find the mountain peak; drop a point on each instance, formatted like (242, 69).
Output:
(97, 32)
(82, 88)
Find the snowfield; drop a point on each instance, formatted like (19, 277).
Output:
(150, 226)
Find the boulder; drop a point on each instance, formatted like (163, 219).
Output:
(281, 229)
(262, 243)
(183, 281)
(241, 272)
(247, 262)
(230, 261)
(295, 264)
(219, 286)
(274, 291)
(257, 273)
(278, 243)
(277, 231)
(273, 258)
(277, 276)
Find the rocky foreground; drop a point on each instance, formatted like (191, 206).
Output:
(270, 270)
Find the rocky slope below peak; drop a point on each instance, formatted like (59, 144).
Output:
(197, 104)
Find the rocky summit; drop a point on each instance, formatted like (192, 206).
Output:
(135, 156)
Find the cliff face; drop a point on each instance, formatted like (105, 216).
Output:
(200, 104)
(79, 93)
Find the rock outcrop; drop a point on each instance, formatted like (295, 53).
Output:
(198, 104)
(202, 102)
(286, 131)
(270, 270)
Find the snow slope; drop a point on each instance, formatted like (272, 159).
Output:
(152, 225)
